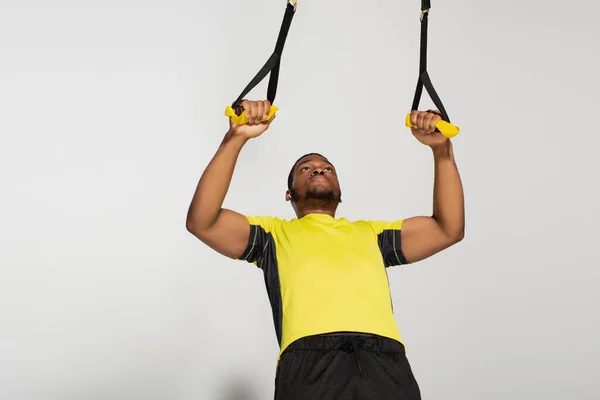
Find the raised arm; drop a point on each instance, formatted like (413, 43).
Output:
(423, 237)
(223, 230)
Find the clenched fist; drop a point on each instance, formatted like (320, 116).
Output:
(256, 111)
(423, 127)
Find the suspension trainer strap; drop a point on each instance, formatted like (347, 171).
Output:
(424, 80)
(235, 111)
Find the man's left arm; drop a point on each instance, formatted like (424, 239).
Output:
(422, 237)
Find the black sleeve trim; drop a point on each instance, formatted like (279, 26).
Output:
(250, 252)
(258, 240)
(390, 244)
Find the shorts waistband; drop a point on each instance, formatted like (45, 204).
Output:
(347, 341)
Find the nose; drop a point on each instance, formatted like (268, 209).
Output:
(317, 171)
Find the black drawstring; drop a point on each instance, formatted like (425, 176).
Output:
(350, 346)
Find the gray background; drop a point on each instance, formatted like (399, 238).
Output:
(111, 110)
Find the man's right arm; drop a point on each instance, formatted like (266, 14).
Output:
(225, 231)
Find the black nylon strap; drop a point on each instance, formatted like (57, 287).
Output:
(424, 79)
(272, 64)
(434, 96)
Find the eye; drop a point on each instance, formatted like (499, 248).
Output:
(328, 169)
(304, 169)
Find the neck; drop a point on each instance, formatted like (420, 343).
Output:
(306, 212)
(315, 207)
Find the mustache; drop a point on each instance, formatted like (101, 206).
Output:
(317, 176)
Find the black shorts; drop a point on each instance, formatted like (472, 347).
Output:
(345, 366)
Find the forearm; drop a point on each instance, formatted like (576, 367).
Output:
(448, 196)
(214, 184)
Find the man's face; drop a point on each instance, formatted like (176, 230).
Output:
(315, 179)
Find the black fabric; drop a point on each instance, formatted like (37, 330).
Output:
(390, 245)
(261, 250)
(271, 66)
(347, 366)
(424, 79)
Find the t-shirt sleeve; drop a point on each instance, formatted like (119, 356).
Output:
(260, 240)
(390, 241)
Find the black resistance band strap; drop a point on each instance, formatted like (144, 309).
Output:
(272, 64)
(424, 79)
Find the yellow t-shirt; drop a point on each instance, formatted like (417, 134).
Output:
(326, 274)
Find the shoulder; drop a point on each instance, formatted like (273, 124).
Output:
(268, 223)
(380, 226)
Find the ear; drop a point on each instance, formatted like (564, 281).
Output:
(288, 195)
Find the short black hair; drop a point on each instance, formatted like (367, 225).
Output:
(292, 171)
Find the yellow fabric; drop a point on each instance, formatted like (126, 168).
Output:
(332, 275)
(243, 118)
(446, 128)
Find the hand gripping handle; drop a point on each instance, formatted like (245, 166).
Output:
(243, 118)
(446, 128)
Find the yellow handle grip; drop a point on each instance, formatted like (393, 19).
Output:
(243, 118)
(446, 128)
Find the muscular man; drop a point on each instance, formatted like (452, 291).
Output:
(326, 276)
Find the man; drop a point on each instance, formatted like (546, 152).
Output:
(326, 277)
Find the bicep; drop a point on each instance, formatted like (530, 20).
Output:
(229, 235)
(423, 237)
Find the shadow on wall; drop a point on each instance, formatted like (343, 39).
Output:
(238, 388)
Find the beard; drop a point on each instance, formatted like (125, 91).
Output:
(319, 195)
